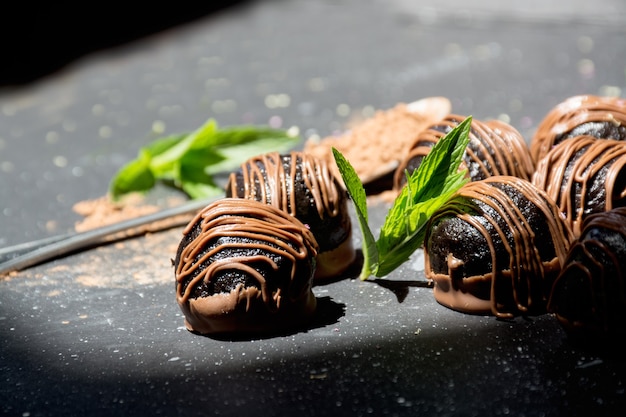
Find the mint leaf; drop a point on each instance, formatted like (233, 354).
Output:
(395, 249)
(427, 189)
(237, 154)
(240, 135)
(197, 190)
(191, 167)
(161, 145)
(163, 163)
(135, 176)
(357, 194)
(188, 161)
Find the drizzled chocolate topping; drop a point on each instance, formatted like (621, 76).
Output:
(496, 248)
(275, 179)
(304, 187)
(584, 175)
(598, 116)
(495, 148)
(240, 261)
(589, 295)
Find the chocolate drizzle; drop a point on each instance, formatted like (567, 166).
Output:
(495, 148)
(273, 178)
(589, 295)
(585, 115)
(304, 187)
(584, 175)
(496, 247)
(244, 259)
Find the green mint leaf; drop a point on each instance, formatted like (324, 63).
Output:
(161, 145)
(414, 222)
(197, 190)
(164, 161)
(428, 188)
(188, 161)
(240, 135)
(192, 168)
(357, 194)
(235, 155)
(135, 176)
(158, 147)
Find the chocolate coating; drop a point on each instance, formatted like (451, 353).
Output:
(589, 295)
(245, 266)
(584, 175)
(495, 248)
(495, 148)
(304, 187)
(585, 115)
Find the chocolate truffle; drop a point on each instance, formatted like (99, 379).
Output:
(496, 248)
(584, 175)
(495, 148)
(589, 295)
(302, 186)
(598, 116)
(245, 267)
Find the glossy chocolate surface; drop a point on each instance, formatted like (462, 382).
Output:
(496, 248)
(584, 175)
(304, 187)
(589, 295)
(495, 148)
(300, 185)
(602, 117)
(241, 262)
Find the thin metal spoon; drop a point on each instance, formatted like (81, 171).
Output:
(14, 251)
(55, 247)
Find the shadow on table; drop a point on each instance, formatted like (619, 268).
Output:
(327, 312)
(523, 372)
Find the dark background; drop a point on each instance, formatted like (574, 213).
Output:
(39, 39)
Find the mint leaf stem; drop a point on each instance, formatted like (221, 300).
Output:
(356, 191)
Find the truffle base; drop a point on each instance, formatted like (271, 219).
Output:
(480, 295)
(332, 263)
(473, 296)
(243, 310)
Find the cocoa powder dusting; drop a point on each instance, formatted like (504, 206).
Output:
(375, 146)
(102, 211)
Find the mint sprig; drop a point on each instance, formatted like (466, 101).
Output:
(189, 161)
(428, 188)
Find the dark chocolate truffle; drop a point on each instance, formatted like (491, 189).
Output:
(496, 248)
(495, 148)
(246, 267)
(589, 295)
(304, 187)
(584, 175)
(585, 115)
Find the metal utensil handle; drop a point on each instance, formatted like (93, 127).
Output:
(62, 245)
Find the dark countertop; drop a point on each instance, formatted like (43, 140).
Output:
(99, 332)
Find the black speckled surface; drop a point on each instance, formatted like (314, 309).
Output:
(99, 333)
